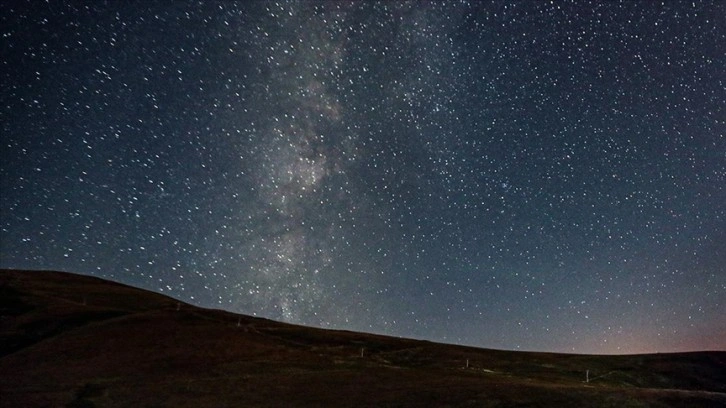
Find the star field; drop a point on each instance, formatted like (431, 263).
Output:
(536, 175)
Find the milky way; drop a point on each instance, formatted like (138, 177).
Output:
(535, 175)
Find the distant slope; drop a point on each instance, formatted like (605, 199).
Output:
(77, 341)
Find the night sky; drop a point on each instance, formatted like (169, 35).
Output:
(542, 176)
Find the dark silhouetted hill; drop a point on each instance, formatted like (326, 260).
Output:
(76, 341)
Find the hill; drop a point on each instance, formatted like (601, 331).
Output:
(78, 341)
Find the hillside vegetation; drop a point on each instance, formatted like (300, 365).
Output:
(77, 341)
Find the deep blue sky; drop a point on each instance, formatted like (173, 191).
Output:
(535, 175)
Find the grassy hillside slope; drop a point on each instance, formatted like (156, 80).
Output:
(77, 341)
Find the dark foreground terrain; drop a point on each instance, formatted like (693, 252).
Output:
(76, 341)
